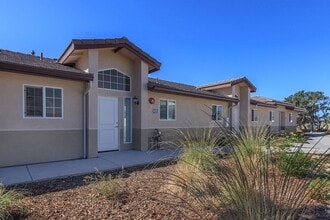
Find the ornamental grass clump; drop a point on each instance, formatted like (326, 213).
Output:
(296, 164)
(247, 185)
(105, 184)
(197, 157)
(9, 200)
(197, 147)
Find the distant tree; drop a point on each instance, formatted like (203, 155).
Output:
(317, 107)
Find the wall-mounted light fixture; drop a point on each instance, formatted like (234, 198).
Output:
(136, 101)
(151, 100)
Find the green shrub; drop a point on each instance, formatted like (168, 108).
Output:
(282, 142)
(295, 164)
(285, 141)
(104, 184)
(9, 199)
(298, 137)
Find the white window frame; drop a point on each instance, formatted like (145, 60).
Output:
(216, 111)
(271, 116)
(124, 127)
(254, 112)
(290, 118)
(116, 90)
(167, 109)
(43, 102)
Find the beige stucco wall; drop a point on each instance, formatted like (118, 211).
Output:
(11, 91)
(32, 140)
(109, 59)
(38, 146)
(263, 118)
(191, 112)
(94, 60)
(224, 91)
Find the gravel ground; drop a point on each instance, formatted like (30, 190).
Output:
(139, 198)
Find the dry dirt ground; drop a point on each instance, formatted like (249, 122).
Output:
(139, 198)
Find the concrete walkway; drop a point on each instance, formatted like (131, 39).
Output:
(105, 162)
(317, 143)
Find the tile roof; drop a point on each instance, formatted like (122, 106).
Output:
(184, 89)
(26, 63)
(268, 102)
(232, 82)
(118, 43)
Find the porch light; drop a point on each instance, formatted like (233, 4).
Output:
(136, 101)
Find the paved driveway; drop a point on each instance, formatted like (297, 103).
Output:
(317, 143)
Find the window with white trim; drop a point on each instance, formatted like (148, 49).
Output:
(43, 102)
(254, 115)
(113, 79)
(53, 102)
(216, 112)
(290, 118)
(271, 116)
(167, 109)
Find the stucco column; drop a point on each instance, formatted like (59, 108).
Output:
(140, 116)
(245, 111)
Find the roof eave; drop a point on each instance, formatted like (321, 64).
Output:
(229, 84)
(11, 67)
(123, 43)
(253, 102)
(213, 87)
(155, 87)
(67, 52)
(247, 81)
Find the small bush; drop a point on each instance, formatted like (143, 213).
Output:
(281, 142)
(9, 200)
(295, 164)
(104, 184)
(298, 137)
(285, 141)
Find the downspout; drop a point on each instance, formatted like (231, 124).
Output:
(85, 119)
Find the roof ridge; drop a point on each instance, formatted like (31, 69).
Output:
(100, 39)
(27, 54)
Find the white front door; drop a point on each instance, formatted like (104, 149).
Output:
(107, 123)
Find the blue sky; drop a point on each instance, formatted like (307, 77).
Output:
(281, 46)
